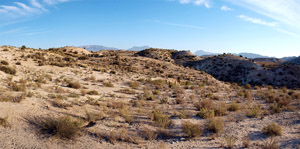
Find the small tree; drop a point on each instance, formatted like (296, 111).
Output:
(23, 47)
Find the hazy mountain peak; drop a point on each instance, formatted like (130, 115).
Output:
(97, 48)
(137, 48)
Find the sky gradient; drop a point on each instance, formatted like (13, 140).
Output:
(266, 27)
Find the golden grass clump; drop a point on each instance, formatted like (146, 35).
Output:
(191, 129)
(272, 130)
(63, 127)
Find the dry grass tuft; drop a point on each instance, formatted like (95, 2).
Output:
(206, 113)
(192, 130)
(8, 70)
(161, 119)
(272, 130)
(271, 144)
(208, 104)
(4, 122)
(108, 84)
(63, 127)
(75, 85)
(215, 125)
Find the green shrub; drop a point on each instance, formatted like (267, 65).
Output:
(272, 130)
(215, 125)
(192, 130)
(23, 47)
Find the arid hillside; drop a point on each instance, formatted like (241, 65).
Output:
(237, 69)
(72, 98)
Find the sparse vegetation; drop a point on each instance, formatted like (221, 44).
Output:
(75, 85)
(161, 119)
(230, 141)
(8, 70)
(119, 96)
(272, 130)
(215, 125)
(4, 122)
(271, 144)
(63, 127)
(108, 84)
(192, 130)
(93, 92)
(254, 112)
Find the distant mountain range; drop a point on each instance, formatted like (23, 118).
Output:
(252, 55)
(204, 53)
(244, 54)
(135, 48)
(99, 48)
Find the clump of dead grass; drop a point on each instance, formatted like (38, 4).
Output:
(63, 127)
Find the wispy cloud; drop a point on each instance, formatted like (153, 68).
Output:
(206, 3)
(178, 25)
(284, 11)
(27, 8)
(274, 25)
(225, 8)
(11, 31)
(258, 21)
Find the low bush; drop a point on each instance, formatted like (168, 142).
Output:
(206, 113)
(208, 104)
(17, 87)
(4, 122)
(135, 84)
(149, 134)
(108, 84)
(93, 117)
(215, 125)
(272, 130)
(192, 130)
(233, 107)
(161, 119)
(220, 109)
(75, 85)
(271, 144)
(179, 100)
(8, 70)
(4, 62)
(230, 141)
(93, 92)
(63, 127)
(127, 115)
(254, 112)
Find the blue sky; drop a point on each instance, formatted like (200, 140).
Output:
(268, 27)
